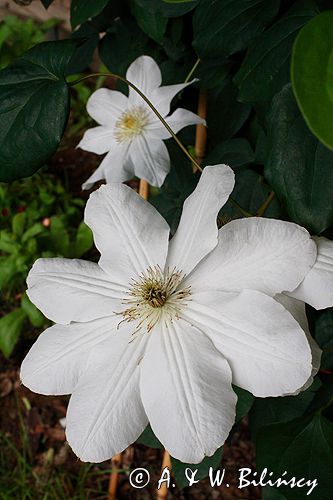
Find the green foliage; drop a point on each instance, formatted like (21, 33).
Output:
(17, 36)
(254, 124)
(304, 448)
(179, 468)
(34, 108)
(82, 10)
(298, 166)
(41, 220)
(312, 75)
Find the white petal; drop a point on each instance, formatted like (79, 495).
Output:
(72, 290)
(297, 309)
(97, 140)
(151, 160)
(186, 392)
(317, 287)
(262, 254)
(129, 233)
(197, 232)
(145, 74)
(105, 106)
(179, 119)
(58, 358)
(161, 97)
(105, 413)
(115, 167)
(265, 347)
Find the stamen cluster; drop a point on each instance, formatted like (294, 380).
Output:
(131, 123)
(156, 295)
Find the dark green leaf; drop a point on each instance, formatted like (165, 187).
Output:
(250, 192)
(298, 166)
(83, 55)
(267, 65)
(304, 449)
(323, 333)
(223, 27)
(272, 494)
(7, 270)
(234, 152)
(148, 438)
(82, 10)
(225, 115)
(10, 329)
(36, 318)
(122, 45)
(47, 3)
(312, 75)
(269, 411)
(18, 223)
(169, 9)
(84, 240)
(178, 468)
(245, 401)
(151, 21)
(59, 236)
(34, 107)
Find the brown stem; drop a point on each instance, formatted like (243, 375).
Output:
(261, 211)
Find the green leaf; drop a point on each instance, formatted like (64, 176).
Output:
(269, 411)
(18, 223)
(84, 240)
(312, 75)
(223, 27)
(323, 333)
(32, 231)
(267, 65)
(10, 328)
(178, 468)
(303, 448)
(225, 115)
(272, 494)
(298, 166)
(169, 9)
(59, 236)
(7, 270)
(234, 152)
(34, 107)
(152, 22)
(82, 10)
(245, 401)
(148, 438)
(250, 192)
(47, 3)
(35, 316)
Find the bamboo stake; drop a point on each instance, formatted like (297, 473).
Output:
(144, 189)
(114, 477)
(162, 493)
(201, 131)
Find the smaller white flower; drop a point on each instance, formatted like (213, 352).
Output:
(129, 132)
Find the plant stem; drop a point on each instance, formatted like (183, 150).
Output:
(261, 210)
(147, 101)
(189, 76)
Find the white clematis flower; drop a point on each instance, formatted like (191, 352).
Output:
(158, 331)
(129, 132)
(317, 287)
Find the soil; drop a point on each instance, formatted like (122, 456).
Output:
(41, 416)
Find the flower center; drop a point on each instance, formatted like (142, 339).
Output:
(156, 295)
(131, 123)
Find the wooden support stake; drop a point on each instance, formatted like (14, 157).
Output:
(162, 493)
(201, 131)
(114, 477)
(144, 189)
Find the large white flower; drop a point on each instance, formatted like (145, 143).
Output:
(157, 331)
(317, 287)
(129, 132)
